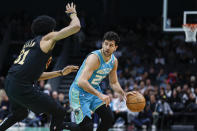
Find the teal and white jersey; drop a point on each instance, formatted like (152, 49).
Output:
(99, 74)
(82, 102)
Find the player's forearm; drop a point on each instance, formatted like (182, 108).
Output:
(117, 88)
(73, 28)
(74, 25)
(84, 84)
(49, 75)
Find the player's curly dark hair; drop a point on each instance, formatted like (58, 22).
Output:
(112, 36)
(42, 25)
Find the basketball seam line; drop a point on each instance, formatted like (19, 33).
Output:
(135, 103)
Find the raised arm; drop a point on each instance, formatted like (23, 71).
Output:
(74, 26)
(48, 41)
(92, 63)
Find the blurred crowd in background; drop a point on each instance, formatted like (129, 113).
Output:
(160, 66)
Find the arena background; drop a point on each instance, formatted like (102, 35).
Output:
(159, 64)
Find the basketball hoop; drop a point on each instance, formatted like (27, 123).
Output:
(190, 32)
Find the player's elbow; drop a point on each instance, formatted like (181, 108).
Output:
(76, 27)
(81, 82)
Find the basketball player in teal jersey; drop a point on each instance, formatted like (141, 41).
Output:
(85, 94)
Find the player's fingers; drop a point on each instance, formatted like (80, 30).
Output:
(107, 103)
(68, 5)
(71, 5)
(125, 98)
(74, 6)
(108, 100)
(134, 92)
(130, 93)
(74, 70)
(75, 67)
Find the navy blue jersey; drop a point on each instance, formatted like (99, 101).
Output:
(31, 62)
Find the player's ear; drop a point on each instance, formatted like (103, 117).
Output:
(102, 44)
(116, 47)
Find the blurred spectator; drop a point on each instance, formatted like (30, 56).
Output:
(41, 85)
(4, 107)
(153, 107)
(159, 59)
(175, 101)
(122, 79)
(143, 119)
(61, 99)
(55, 95)
(191, 103)
(168, 92)
(161, 76)
(165, 112)
(142, 87)
(120, 110)
(47, 89)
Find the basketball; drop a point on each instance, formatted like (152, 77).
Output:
(136, 102)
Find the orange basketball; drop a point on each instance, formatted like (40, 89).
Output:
(136, 102)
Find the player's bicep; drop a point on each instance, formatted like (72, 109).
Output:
(86, 73)
(47, 44)
(91, 64)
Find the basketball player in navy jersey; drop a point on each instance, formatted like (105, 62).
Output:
(28, 68)
(85, 94)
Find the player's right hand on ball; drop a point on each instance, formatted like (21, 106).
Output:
(105, 99)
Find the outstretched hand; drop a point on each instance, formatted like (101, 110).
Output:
(68, 69)
(71, 8)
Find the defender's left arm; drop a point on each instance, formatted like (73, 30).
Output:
(113, 79)
(67, 70)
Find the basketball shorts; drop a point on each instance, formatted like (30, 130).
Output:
(83, 103)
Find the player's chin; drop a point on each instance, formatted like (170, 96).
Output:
(108, 54)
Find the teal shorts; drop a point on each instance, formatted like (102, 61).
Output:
(83, 103)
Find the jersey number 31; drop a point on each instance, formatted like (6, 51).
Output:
(21, 58)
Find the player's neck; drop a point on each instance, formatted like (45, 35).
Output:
(105, 57)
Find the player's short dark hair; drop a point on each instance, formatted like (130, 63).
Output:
(112, 36)
(42, 25)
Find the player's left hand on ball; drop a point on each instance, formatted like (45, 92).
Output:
(132, 93)
(69, 69)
